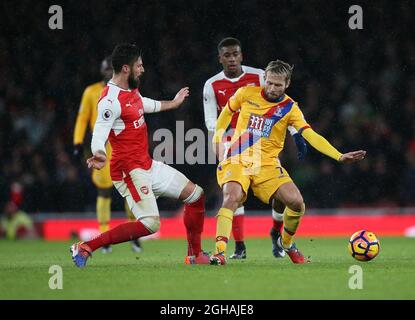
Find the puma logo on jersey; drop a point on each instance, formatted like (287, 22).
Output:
(222, 91)
(128, 105)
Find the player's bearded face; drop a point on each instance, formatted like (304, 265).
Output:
(275, 85)
(133, 81)
(136, 70)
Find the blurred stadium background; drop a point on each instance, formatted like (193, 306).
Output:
(356, 87)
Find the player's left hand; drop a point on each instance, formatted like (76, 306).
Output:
(353, 156)
(180, 96)
(97, 161)
(301, 146)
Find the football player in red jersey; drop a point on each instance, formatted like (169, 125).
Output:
(87, 116)
(137, 177)
(216, 92)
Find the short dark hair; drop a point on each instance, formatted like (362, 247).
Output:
(227, 42)
(125, 53)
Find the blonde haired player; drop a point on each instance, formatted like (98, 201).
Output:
(216, 93)
(252, 160)
(87, 115)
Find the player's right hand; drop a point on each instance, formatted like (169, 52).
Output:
(97, 161)
(180, 96)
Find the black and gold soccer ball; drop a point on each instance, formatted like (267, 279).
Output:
(364, 245)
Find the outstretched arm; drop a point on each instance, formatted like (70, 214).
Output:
(152, 106)
(177, 101)
(353, 156)
(322, 145)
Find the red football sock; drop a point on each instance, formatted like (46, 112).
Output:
(194, 217)
(238, 228)
(122, 233)
(277, 225)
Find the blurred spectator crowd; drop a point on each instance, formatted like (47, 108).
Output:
(355, 87)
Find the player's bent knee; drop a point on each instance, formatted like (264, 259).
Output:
(296, 204)
(151, 223)
(232, 198)
(278, 206)
(298, 208)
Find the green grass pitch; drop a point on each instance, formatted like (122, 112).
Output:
(159, 272)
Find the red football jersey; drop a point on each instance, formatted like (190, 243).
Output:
(219, 89)
(121, 118)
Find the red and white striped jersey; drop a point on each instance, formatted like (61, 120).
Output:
(121, 119)
(219, 89)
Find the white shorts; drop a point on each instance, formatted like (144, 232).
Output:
(141, 187)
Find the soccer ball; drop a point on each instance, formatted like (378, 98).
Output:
(364, 245)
